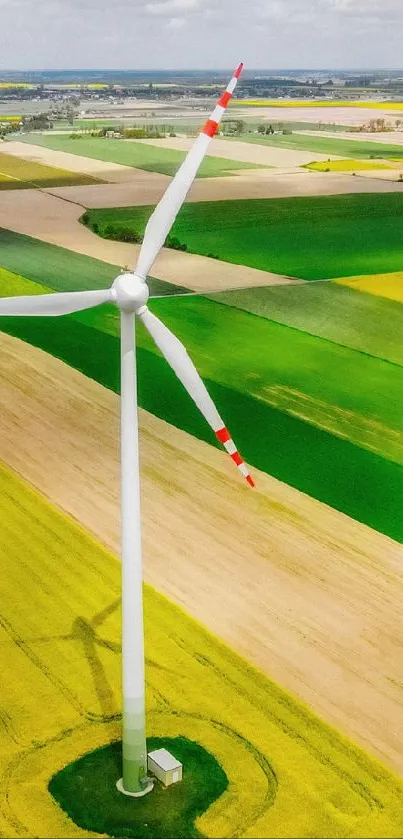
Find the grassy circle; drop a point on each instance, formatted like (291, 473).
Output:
(86, 791)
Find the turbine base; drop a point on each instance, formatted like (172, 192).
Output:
(149, 785)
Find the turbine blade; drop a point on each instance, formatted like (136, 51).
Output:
(54, 304)
(163, 217)
(177, 357)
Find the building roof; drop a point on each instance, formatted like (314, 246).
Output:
(164, 759)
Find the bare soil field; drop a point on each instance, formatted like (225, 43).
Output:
(343, 115)
(389, 175)
(307, 594)
(245, 152)
(269, 183)
(389, 137)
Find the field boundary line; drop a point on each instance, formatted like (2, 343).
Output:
(296, 328)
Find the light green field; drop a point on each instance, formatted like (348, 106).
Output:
(329, 145)
(289, 774)
(16, 173)
(311, 238)
(346, 316)
(134, 153)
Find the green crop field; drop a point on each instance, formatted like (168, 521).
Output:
(16, 173)
(310, 238)
(287, 773)
(134, 153)
(329, 145)
(364, 322)
(60, 269)
(297, 389)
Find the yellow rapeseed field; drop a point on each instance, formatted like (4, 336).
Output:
(345, 165)
(316, 103)
(289, 773)
(383, 285)
(6, 85)
(16, 173)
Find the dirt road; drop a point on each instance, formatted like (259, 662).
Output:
(307, 594)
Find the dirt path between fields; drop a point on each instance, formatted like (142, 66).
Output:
(307, 594)
(54, 220)
(392, 138)
(52, 216)
(244, 152)
(252, 183)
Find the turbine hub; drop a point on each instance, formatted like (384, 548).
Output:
(130, 292)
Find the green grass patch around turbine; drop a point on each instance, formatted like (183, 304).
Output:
(166, 813)
(134, 153)
(310, 238)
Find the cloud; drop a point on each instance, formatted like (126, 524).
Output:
(168, 7)
(315, 11)
(176, 23)
(135, 33)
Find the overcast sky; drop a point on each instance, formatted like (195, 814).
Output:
(200, 33)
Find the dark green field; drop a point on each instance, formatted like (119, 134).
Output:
(329, 419)
(60, 269)
(329, 145)
(310, 238)
(137, 154)
(364, 322)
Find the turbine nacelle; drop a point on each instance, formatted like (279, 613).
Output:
(130, 292)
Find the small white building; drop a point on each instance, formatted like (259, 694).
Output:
(165, 767)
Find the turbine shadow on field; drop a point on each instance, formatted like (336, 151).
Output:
(85, 631)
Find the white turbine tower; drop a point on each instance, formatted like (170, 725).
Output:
(130, 294)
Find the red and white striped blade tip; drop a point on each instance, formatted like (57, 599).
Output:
(225, 438)
(211, 126)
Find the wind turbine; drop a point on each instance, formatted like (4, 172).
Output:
(130, 293)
